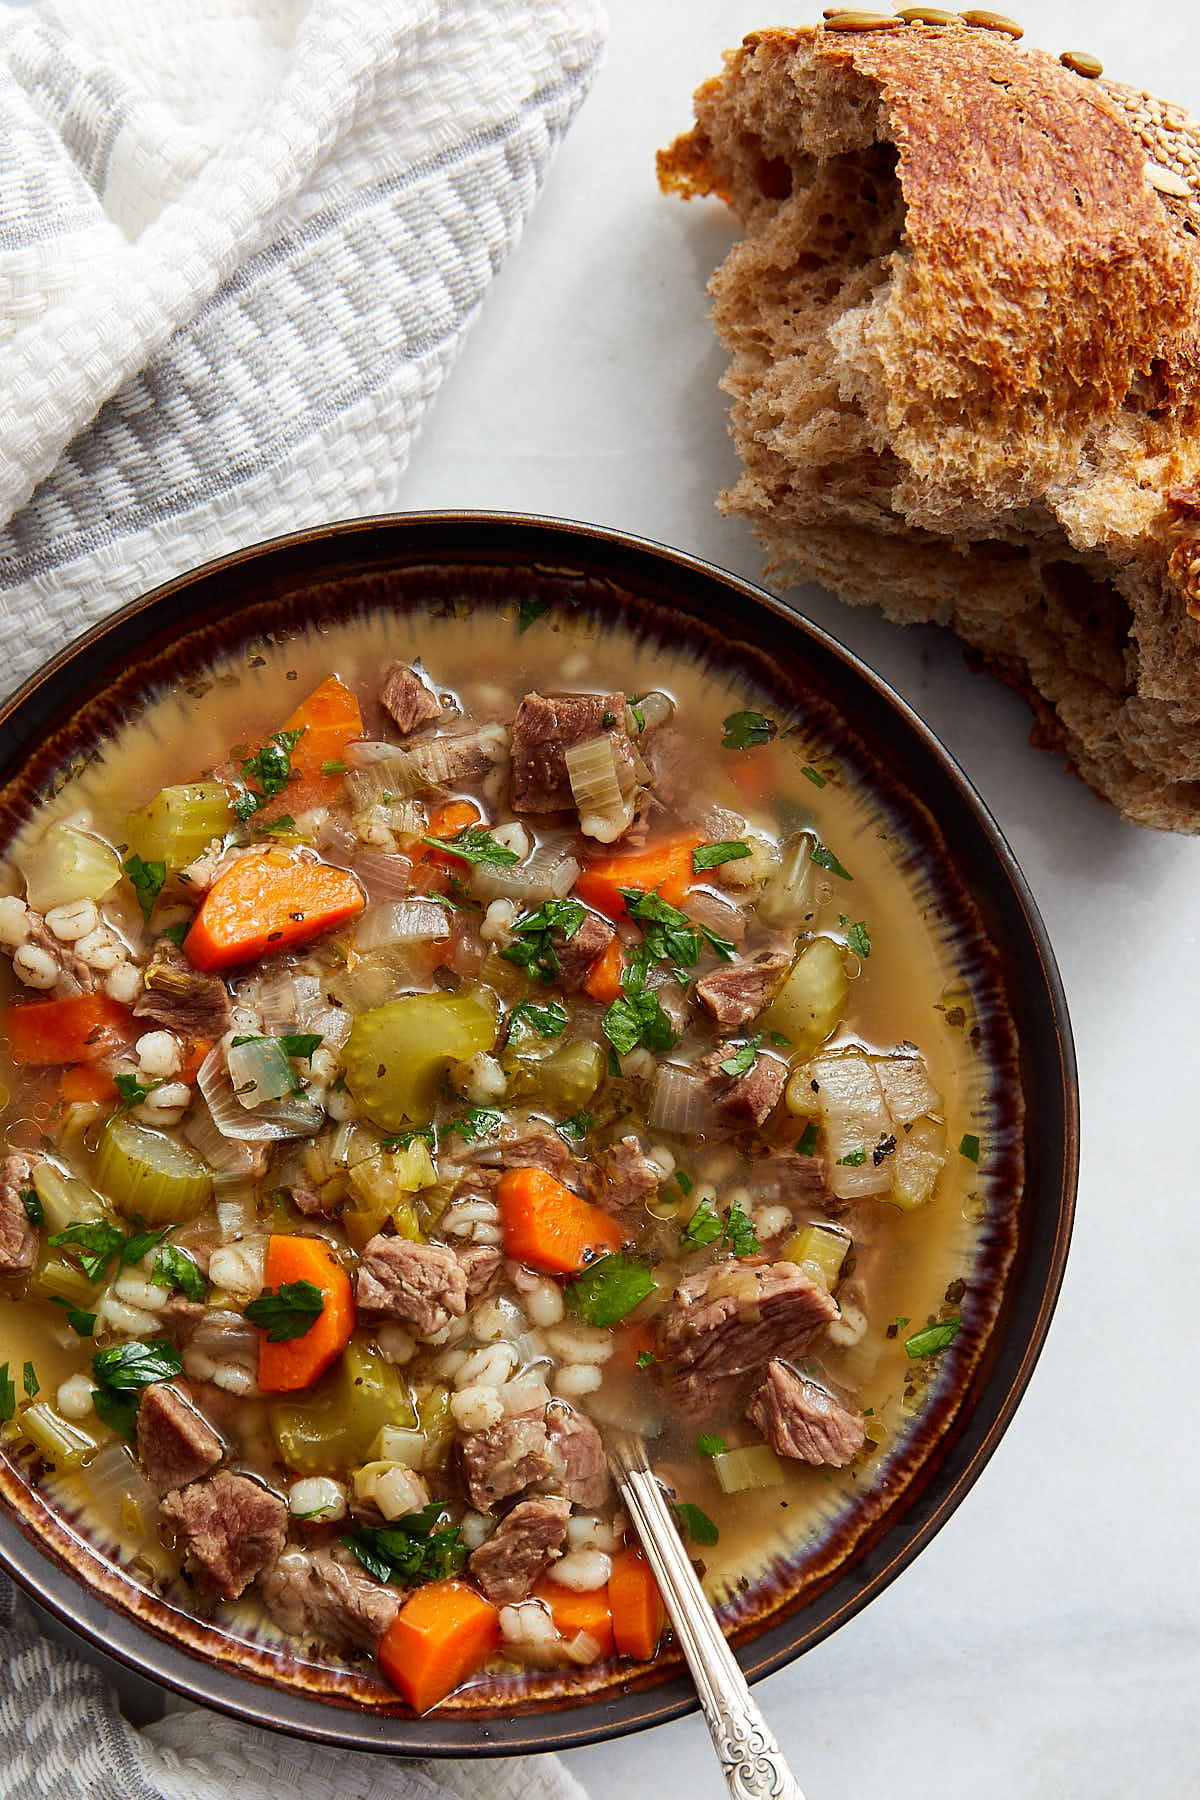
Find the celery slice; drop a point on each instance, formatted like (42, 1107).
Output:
(918, 1160)
(60, 1441)
(757, 1466)
(150, 1176)
(336, 1426)
(180, 822)
(810, 1003)
(396, 1053)
(821, 1250)
(57, 1278)
(65, 1199)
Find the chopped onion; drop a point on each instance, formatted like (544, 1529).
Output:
(548, 873)
(333, 1023)
(719, 915)
(275, 1119)
(681, 1103)
(604, 811)
(790, 896)
(398, 777)
(385, 876)
(413, 921)
(112, 1477)
(364, 753)
(237, 1214)
(278, 1001)
(232, 1162)
(907, 1090)
(260, 1070)
(583, 1648)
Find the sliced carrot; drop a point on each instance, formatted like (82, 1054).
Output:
(638, 1614)
(603, 979)
(83, 1084)
(197, 1050)
(79, 1029)
(632, 1341)
(328, 720)
(266, 903)
(296, 1363)
(445, 821)
(753, 774)
(440, 1636)
(549, 1227)
(666, 866)
(574, 1612)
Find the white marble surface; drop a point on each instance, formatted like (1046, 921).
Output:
(1047, 1643)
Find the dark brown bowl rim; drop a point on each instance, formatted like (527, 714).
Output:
(84, 667)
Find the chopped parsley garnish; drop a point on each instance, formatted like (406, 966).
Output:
(267, 773)
(405, 1140)
(694, 1523)
(300, 1044)
(744, 730)
(94, 1243)
(742, 1061)
(635, 1019)
(117, 1411)
(35, 1212)
(704, 1227)
(577, 1126)
(711, 856)
(122, 1371)
(531, 948)
(8, 1395)
(806, 1143)
(639, 717)
(175, 1269)
(933, 1338)
(412, 1550)
(685, 1182)
(608, 720)
(853, 1159)
(30, 1382)
(146, 879)
(969, 1146)
(825, 859)
(474, 844)
(739, 1233)
(288, 1311)
(614, 1063)
(83, 1324)
(277, 827)
(858, 938)
(609, 1288)
(529, 612)
(813, 775)
(547, 1021)
(645, 1359)
(133, 1091)
(333, 767)
(139, 1244)
(711, 1443)
(477, 1122)
(779, 1040)
(176, 933)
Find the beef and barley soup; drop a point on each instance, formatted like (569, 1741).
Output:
(431, 1043)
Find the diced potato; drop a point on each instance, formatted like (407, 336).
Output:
(856, 1121)
(918, 1161)
(809, 1005)
(907, 1089)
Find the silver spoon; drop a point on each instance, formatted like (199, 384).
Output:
(753, 1764)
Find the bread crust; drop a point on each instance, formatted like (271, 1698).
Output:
(964, 320)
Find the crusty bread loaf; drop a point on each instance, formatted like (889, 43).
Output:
(964, 320)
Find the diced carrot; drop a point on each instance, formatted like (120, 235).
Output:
(549, 1227)
(603, 979)
(266, 903)
(574, 1612)
(666, 866)
(296, 1363)
(440, 1636)
(79, 1029)
(632, 1341)
(638, 1614)
(445, 821)
(329, 720)
(753, 774)
(197, 1050)
(84, 1084)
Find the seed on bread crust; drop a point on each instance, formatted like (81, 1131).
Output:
(1166, 181)
(929, 15)
(993, 21)
(862, 21)
(1082, 62)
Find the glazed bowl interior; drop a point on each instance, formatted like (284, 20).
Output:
(577, 579)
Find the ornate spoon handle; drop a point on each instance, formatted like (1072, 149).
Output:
(754, 1765)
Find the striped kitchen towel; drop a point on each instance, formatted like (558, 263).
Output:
(241, 242)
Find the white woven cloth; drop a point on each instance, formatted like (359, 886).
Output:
(241, 242)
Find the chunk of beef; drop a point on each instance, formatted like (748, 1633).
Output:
(577, 1455)
(306, 1200)
(802, 1420)
(505, 1458)
(180, 1316)
(18, 1239)
(522, 1547)
(175, 1444)
(315, 1594)
(577, 953)
(180, 997)
(789, 1177)
(672, 758)
(622, 1176)
(726, 1321)
(546, 726)
(481, 1264)
(406, 697)
(417, 1284)
(738, 991)
(745, 1100)
(230, 1529)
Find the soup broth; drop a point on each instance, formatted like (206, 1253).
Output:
(358, 1182)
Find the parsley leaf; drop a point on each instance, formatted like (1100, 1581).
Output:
(853, 1159)
(711, 856)
(146, 879)
(277, 827)
(404, 1140)
(686, 1184)
(474, 844)
(645, 1359)
(825, 859)
(333, 767)
(739, 1233)
(711, 1443)
(133, 1091)
(30, 1382)
(300, 1044)
(807, 1142)
(608, 720)
(8, 1395)
(529, 612)
(933, 1338)
(411, 1550)
(704, 1227)
(477, 1122)
(174, 1269)
(35, 1212)
(858, 938)
(82, 1323)
(577, 1126)
(814, 775)
(267, 773)
(120, 1373)
(176, 933)
(609, 1288)
(742, 1061)
(288, 1311)
(117, 1410)
(668, 935)
(639, 717)
(548, 1021)
(94, 1241)
(743, 730)
(694, 1523)
(138, 1244)
(531, 948)
(969, 1146)
(635, 1019)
